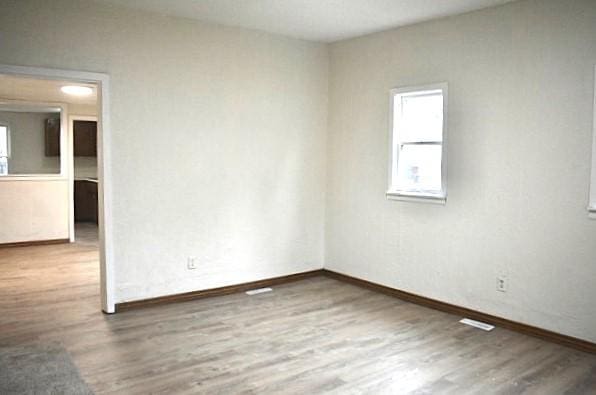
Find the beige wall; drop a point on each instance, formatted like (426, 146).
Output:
(33, 210)
(85, 166)
(520, 122)
(218, 140)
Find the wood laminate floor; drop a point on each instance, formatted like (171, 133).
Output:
(313, 336)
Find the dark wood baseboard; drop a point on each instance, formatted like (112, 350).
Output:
(230, 289)
(34, 243)
(544, 334)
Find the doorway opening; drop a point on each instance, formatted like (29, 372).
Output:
(71, 155)
(86, 181)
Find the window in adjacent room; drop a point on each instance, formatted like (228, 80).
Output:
(4, 149)
(418, 130)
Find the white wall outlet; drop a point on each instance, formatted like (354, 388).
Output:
(502, 283)
(191, 263)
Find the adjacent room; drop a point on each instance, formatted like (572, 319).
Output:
(298, 197)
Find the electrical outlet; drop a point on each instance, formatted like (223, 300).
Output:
(502, 283)
(191, 263)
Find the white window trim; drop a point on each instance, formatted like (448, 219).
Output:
(414, 196)
(7, 126)
(592, 202)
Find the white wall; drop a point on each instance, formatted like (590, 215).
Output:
(219, 150)
(33, 210)
(27, 143)
(520, 89)
(218, 140)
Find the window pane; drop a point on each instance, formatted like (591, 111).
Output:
(3, 166)
(419, 168)
(3, 141)
(420, 117)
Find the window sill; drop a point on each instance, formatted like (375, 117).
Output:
(419, 198)
(34, 177)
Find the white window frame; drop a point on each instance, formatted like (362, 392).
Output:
(7, 126)
(592, 202)
(417, 196)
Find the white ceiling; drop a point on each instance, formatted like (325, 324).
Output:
(38, 90)
(315, 20)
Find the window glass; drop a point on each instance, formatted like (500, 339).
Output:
(418, 158)
(419, 168)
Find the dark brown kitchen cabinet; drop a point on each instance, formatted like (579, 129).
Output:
(52, 130)
(85, 201)
(85, 138)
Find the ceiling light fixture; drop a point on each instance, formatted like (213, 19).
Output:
(77, 90)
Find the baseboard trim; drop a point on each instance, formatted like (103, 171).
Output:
(569, 341)
(34, 243)
(230, 289)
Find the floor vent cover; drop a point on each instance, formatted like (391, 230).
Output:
(477, 324)
(258, 291)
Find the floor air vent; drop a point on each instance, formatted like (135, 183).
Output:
(477, 324)
(258, 291)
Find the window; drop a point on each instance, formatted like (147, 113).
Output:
(418, 160)
(4, 149)
(592, 203)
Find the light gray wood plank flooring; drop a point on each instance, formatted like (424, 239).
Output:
(309, 337)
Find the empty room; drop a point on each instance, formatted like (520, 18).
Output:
(298, 197)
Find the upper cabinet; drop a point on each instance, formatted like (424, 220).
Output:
(52, 130)
(85, 138)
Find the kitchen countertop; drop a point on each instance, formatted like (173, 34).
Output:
(90, 179)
